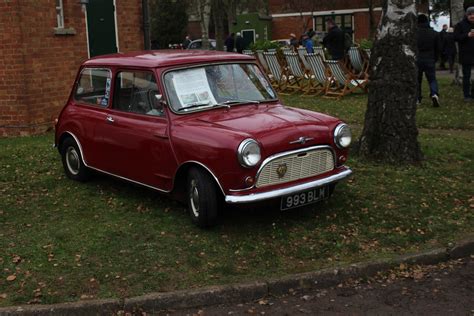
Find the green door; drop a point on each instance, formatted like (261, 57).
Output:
(248, 36)
(101, 27)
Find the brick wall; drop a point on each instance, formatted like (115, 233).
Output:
(130, 25)
(284, 6)
(282, 27)
(38, 67)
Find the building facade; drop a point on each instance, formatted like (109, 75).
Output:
(298, 16)
(42, 44)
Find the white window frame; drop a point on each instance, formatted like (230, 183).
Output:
(60, 14)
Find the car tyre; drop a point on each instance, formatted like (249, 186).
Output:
(201, 195)
(73, 163)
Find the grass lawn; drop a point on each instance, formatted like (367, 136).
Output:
(63, 241)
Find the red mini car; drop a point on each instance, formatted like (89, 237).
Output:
(204, 124)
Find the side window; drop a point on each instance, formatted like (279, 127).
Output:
(60, 13)
(94, 87)
(137, 92)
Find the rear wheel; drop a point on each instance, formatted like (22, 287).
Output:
(201, 198)
(73, 164)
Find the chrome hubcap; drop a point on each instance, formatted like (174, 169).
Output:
(72, 161)
(194, 198)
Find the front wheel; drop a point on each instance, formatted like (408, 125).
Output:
(73, 164)
(202, 198)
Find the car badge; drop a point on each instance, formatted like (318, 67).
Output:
(302, 140)
(281, 170)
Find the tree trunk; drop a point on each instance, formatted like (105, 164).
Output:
(457, 11)
(390, 132)
(218, 14)
(204, 7)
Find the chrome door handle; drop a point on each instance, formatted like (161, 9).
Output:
(109, 119)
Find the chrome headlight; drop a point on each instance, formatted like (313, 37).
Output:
(342, 136)
(248, 153)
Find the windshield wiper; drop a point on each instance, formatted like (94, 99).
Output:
(196, 105)
(238, 101)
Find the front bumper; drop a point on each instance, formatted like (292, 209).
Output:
(256, 197)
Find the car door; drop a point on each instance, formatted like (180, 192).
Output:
(136, 134)
(91, 100)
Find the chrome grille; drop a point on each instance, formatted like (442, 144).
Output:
(298, 166)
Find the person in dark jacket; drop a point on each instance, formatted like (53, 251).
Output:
(230, 42)
(186, 42)
(450, 49)
(442, 40)
(334, 40)
(239, 43)
(464, 35)
(428, 50)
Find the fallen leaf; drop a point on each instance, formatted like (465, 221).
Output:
(11, 277)
(3, 295)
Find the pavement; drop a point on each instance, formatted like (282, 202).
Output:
(242, 293)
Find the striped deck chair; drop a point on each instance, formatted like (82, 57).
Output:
(357, 62)
(262, 61)
(301, 53)
(320, 78)
(346, 80)
(295, 72)
(247, 52)
(320, 51)
(277, 74)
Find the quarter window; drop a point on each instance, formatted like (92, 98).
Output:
(60, 13)
(94, 87)
(137, 92)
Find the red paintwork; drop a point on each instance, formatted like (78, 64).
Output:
(150, 150)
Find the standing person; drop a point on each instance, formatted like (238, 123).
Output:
(464, 35)
(450, 48)
(239, 43)
(293, 42)
(230, 42)
(334, 40)
(308, 43)
(186, 42)
(428, 49)
(442, 41)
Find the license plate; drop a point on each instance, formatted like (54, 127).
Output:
(304, 198)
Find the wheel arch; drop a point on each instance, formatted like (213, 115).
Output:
(180, 177)
(66, 135)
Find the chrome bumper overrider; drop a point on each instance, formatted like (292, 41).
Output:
(255, 197)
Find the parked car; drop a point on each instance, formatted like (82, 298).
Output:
(197, 44)
(203, 125)
(284, 42)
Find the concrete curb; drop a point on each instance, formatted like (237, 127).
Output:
(240, 293)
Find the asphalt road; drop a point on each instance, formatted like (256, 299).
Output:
(443, 289)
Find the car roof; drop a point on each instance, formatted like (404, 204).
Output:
(168, 57)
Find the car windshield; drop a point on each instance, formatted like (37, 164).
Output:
(217, 85)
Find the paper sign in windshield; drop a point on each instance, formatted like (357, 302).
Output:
(193, 88)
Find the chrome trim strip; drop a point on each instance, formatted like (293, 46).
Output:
(302, 140)
(127, 179)
(231, 199)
